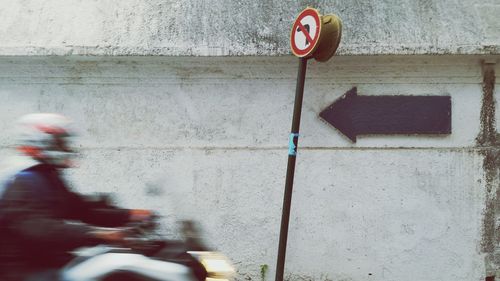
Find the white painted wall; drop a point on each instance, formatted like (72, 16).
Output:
(242, 27)
(385, 208)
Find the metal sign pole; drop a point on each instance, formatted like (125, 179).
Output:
(292, 155)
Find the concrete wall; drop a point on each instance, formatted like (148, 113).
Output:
(243, 27)
(206, 137)
(212, 133)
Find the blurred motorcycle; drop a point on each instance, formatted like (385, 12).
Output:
(145, 257)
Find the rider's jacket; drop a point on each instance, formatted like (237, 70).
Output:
(41, 220)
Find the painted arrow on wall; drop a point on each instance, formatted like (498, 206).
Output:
(355, 115)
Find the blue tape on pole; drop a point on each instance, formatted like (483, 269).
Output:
(292, 147)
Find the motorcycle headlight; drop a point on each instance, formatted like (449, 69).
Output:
(217, 265)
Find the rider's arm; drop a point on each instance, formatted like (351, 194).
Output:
(97, 214)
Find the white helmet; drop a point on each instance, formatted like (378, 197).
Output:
(44, 137)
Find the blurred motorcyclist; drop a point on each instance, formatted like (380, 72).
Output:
(41, 220)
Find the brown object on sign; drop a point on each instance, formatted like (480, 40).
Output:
(329, 39)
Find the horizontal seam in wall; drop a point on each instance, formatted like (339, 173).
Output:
(236, 77)
(217, 83)
(307, 148)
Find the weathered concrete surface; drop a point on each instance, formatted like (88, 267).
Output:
(403, 216)
(235, 28)
(213, 131)
(175, 98)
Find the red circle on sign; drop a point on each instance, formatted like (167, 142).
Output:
(299, 27)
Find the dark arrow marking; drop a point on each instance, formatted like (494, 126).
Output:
(355, 115)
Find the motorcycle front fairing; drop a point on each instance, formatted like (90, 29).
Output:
(103, 263)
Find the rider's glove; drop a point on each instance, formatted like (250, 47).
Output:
(112, 236)
(138, 215)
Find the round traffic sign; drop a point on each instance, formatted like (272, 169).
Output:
(305, 32)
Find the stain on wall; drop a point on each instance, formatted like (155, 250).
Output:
(489, 141)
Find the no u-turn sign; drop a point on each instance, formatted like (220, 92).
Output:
(305, 32)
